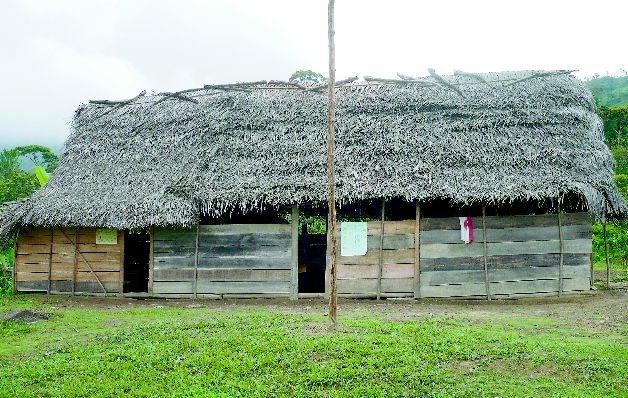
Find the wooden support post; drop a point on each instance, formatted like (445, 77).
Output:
(331, 165)
(486, 280)
(417, 251)
(15, 249)
(380, 270)
(52, 234)
(198, 227)
(608, 263)
(151, 265)
(75, 261)
(327, 257)
(562, 251)
(294, 274)
(121, 235)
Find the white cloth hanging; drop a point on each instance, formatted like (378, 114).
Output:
(466, 229)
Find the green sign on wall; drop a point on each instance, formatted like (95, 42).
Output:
(106, 236)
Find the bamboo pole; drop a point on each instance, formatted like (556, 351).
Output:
(562, 255)
(52, 233)
(15, 248)
(380, 269)
(294, 274)
(121, 243)
(417, 251)
(331, 172)
(608, 264)
(75, 262)
(486, 280)
(151, 260)
(198, 227)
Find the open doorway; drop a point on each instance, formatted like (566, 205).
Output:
(136, 261)
(312, 254)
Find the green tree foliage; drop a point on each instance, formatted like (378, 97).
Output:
(16, 183)
(609, 90)
(307, 77)
(615, 120)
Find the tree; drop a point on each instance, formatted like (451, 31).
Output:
(307, 77)
(615, 120)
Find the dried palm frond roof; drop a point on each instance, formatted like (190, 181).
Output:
(470, 138)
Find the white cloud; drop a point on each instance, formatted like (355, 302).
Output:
(58, 54)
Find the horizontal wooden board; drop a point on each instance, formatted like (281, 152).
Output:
(401, 256)
(374, 228)
(391, 242)
(538, 260)
(221, 275)
(245, 240)
(501, 275)
(504, 288)
(280, 262)
(173, 262)
(173, 287)
(245, 229)
(211, 287)
(372, 271)
(508, 234)
(543, 220)
(445, 250)
(581, 246)
(360, 286)
(66, 286)
(506, 261)
(244, 251)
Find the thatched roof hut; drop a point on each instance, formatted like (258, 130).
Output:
(164, 159)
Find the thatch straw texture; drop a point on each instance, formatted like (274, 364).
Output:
(487, 138)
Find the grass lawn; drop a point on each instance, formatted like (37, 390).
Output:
(95, 347)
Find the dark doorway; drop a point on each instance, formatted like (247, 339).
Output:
(136, 261)
(312, 260)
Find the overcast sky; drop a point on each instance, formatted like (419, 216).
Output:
(55, 55)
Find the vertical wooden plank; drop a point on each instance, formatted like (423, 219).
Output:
(75, 261)
(50, 260)
(562, 256)
(196, 260)
(15, 247)
(486, 280)
(151, 258)
(327, 258)
(608, 264)
(592, 273)
(121, 236)
(417, 251)
(380, 268)
(294, 275)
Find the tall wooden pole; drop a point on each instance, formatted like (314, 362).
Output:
(331, 171)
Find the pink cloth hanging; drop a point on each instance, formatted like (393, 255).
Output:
(466, 229)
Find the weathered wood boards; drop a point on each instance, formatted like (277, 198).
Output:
(48, 260)
(232, 259)
(360, 274)
(523, 256)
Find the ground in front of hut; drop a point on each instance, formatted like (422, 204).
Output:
(569, 346)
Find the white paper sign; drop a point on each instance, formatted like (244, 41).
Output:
(106, 236)
(353, 239)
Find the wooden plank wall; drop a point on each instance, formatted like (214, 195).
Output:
(53, 263)
(523, 256)
(358, 275)
(238, 259)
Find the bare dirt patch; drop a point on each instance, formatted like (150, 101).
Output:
(25, 316)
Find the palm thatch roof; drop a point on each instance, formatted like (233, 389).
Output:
(163, 159)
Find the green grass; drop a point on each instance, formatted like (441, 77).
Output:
(262, 351)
